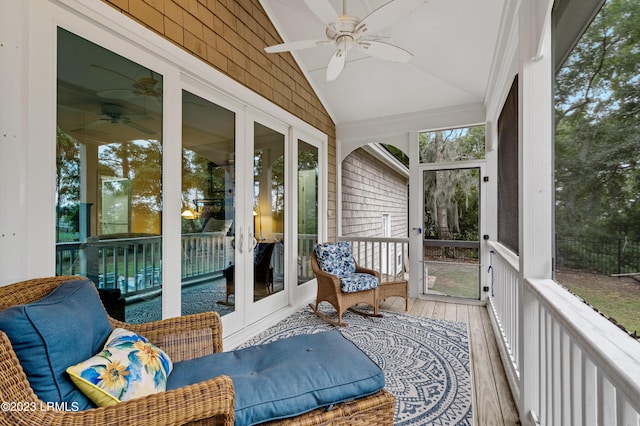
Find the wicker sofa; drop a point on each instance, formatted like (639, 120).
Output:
(209, 402)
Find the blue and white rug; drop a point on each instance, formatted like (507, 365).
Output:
(425, 361)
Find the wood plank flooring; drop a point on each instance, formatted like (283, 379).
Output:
(493, 403)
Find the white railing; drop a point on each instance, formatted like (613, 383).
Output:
(134, 265)
(306, 244)
(204, 254)
(585, 371)
(567, 364)
(505, 294)
(386, 255)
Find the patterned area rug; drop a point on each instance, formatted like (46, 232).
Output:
(425, 361)
(196, 299)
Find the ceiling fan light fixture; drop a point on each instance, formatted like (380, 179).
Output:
(345, 31)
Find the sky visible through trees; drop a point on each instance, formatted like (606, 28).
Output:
(597, 141)
(597, 160)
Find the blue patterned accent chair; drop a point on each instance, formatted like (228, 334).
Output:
(342, 282)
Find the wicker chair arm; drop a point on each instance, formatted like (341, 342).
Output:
(21, 406)
(363, 270)
(206, 325)
(209, 400)
(325, 278)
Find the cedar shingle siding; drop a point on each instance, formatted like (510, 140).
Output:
(369, 190)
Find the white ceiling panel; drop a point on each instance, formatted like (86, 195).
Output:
(452, 42)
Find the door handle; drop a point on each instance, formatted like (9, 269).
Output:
(252, 241)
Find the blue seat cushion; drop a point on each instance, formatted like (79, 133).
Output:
(64, 328)
(287, 377)
(336, 258)
(357, 282)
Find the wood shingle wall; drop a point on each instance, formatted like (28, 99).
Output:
(370, 189)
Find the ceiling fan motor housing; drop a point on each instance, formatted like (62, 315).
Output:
(346, 36)
(113, 111)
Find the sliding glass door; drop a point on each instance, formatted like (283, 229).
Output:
(109, 155)
(207, 206)
(308, 198)
(267, 216)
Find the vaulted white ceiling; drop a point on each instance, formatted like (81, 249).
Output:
(453, 43)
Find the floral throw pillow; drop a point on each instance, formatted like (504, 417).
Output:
(336, 258)
(129, 366)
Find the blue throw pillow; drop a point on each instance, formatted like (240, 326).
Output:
(63, 328)
(287, 377)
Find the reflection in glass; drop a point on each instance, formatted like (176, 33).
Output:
(268, 211)
(208, 200)
(307, 208)
(108, 176)
(444, 146)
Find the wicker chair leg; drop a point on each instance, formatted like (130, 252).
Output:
(375, 313)
(325, 318)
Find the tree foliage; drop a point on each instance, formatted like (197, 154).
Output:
(597, 153)
(451, 196)
(67, 181)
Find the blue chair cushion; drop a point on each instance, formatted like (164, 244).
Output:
(336, 258)
(63, 328)
(357, 282)
(287, 377)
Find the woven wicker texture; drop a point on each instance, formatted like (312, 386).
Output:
(205, 403)
(329, 291)
(394, 288)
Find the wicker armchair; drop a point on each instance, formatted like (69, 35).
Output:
(209, 402)
(329, 290)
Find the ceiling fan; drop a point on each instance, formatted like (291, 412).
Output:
(143, 86)
(345, 31)
(114, 114)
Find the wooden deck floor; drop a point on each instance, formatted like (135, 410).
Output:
(493, 403)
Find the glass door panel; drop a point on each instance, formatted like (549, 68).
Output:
(268, 211)
(307, 208)
(109, 176)
(451, 232)
(208, 206)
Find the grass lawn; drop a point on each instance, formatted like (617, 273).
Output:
(455, 279)
(617, 298)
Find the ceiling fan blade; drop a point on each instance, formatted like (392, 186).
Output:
(93, 123)
(336, 64)
(388, 14)
(139, 127)
(323, 11)
(116, 93)
(386, 51)
(295, 45)
(100, 67)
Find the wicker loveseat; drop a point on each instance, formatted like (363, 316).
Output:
(209, 402)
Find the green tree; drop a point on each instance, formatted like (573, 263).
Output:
(451, 195)
(597, 100)
(67, 181)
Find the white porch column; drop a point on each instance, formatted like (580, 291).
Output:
(13, 143)
(416, 222)
(536, 182)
